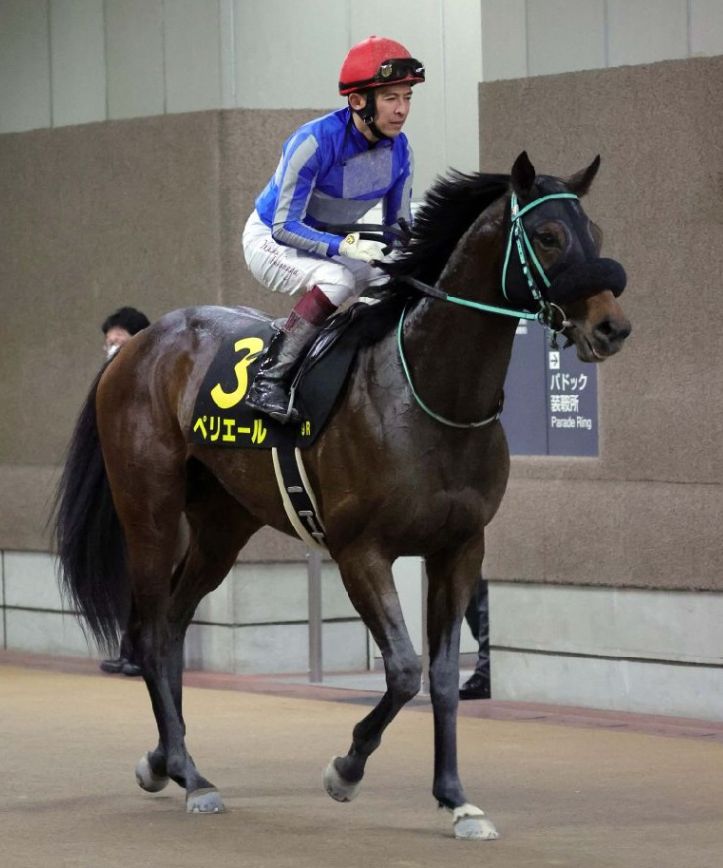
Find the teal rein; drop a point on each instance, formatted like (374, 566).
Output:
(421, 403)
(517, 232)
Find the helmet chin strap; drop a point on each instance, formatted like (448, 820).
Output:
(368, 113)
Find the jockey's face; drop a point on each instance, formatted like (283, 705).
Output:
(393, 104)
(392, 107)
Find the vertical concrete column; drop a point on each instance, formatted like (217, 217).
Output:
(313, 561)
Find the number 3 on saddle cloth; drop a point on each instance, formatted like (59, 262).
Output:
(222, 420)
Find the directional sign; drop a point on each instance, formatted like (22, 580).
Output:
(550, 398)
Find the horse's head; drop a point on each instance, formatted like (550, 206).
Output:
(552, 261)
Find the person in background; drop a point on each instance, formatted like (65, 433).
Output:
(332, 171)
(478, 685)
(118, 329)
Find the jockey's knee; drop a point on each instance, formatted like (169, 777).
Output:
(339, 292)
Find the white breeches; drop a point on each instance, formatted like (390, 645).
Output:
(288, 269)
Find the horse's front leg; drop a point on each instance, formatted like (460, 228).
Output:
(452, 579)
(369, 583)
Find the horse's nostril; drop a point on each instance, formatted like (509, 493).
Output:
(611, 331)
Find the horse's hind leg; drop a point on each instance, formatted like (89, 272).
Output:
(149, 503)
(451, 580)
(369, 583)
(219, 528)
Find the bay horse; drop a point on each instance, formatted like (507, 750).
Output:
(414, 460)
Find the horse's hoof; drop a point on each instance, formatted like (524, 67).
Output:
(470, 822)
(205, 801)
(336, 786)
(146, 777)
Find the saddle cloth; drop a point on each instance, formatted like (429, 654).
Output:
(220, 416)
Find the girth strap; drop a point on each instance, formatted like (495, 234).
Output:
(298, 497)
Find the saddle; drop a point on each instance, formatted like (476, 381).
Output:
(221, 417)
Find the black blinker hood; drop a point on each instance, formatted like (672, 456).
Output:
(584, 279)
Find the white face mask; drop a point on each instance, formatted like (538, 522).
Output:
(111, 350)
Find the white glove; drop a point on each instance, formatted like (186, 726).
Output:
(359, 248)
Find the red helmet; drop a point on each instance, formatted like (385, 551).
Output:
(376, 62)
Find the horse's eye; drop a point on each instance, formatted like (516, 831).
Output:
(547, 239)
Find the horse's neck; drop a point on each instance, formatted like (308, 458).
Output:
(459, 356)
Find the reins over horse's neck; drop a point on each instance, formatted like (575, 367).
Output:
(459, 357)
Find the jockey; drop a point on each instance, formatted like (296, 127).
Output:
(332, 171)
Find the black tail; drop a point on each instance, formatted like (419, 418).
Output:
(90, 542)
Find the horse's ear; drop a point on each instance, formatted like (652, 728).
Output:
(523, 175)
(580, 182)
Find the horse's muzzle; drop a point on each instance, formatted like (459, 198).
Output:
(587, 278)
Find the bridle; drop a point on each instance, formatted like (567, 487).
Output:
(547, 310)
(548, 313)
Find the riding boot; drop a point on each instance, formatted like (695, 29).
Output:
(269, 392)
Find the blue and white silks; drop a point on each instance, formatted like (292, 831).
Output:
(329, 174)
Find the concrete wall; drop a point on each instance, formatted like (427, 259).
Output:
(145, 212)
(655, 652)
(77, 61)
(256, 621)
(522, 38)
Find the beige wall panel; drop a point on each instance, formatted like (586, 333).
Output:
(271, 545)
(147, 212)
(288, 54)
(26, 497)
(646, 30)
(593, 532)
(420, 33)
(24, 65)
(706, 27)
(192, 49)
(249, 149)
(462, 74)
(77, 42)
(134, 57)
(565, 35)
(504, 39)
(96, 216)
(647, 512)
(658, 129)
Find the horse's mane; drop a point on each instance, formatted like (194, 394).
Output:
(450, 207)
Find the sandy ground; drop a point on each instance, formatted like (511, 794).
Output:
(560, 794)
